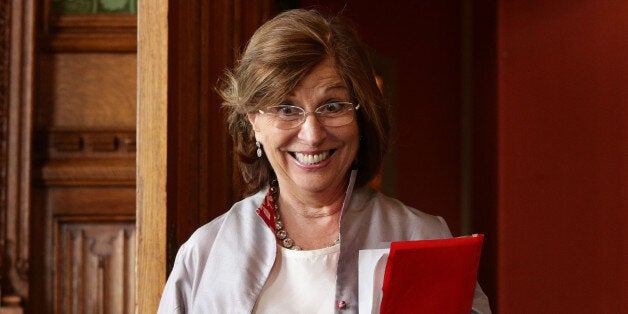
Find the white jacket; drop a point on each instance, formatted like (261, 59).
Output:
(225, 263)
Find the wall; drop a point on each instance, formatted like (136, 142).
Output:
(552, 127)
(563, 156)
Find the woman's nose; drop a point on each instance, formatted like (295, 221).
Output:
(312, 131)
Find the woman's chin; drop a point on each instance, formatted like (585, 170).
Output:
(317, 183)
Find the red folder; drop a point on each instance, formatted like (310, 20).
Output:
(431, 276)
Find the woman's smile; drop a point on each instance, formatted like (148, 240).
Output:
(312, 158)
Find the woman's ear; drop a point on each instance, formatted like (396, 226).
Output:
(252, 119)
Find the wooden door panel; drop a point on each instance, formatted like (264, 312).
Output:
(94, 259)
(93, 91)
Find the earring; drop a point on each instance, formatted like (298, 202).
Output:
(259, 149)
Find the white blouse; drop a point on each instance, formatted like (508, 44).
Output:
(301, 282)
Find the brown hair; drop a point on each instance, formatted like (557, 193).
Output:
(277, 57)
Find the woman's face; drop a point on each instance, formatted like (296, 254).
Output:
(311, 157)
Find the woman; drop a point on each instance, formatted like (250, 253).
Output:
(310, 131)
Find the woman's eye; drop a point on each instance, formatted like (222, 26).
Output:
(287, 110)
(332, 107)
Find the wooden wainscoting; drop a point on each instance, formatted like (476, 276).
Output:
(84, 237)
(93, 257)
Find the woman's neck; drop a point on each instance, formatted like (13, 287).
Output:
(311, 219)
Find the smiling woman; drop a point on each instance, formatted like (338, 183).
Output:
(310, 130)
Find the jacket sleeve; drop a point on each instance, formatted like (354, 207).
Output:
(480, 302)
(178, 287)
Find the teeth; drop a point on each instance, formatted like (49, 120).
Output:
(311, 159)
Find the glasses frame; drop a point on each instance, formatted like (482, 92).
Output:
(303, 114)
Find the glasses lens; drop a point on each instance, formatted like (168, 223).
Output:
(285, 116)
(336, 113)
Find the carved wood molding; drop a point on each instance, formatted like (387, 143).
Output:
(89, 173)
(94, 32)
(93, 259)
(16, 27)
(68, 144)
(88, 32)
(88, 158)
(5, 48)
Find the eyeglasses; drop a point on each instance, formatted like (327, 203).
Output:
(332, 114)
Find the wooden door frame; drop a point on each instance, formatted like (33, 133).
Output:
(152, 127)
